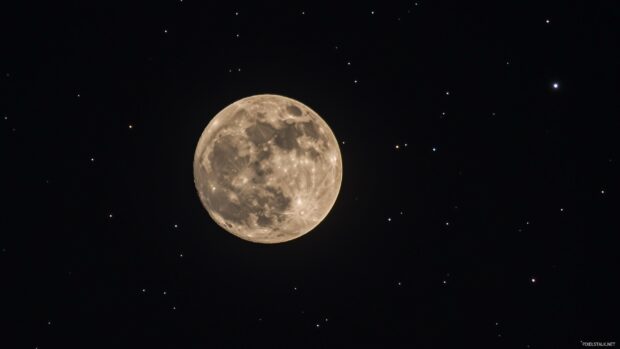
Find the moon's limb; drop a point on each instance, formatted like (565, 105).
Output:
(268, 169)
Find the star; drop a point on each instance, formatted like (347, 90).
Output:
(389, 219)
(556, 85)
(533, 280)
(92, 159)
(130, 126)
(397, 147)
(165, 31)
(434, 149)
(447, 93)
(110, 215)
(547, 21)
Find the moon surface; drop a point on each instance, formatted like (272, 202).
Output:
(268, 169)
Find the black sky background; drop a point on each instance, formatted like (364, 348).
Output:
(524, 174)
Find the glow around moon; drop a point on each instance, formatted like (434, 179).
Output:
(268, 169)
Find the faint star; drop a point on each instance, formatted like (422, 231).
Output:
(547, 21)
(165, 31)
(447, 93)
(434, 149)
(533, 280)
(396, 146)
(389, 219)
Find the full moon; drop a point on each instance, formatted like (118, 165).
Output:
(268, 169)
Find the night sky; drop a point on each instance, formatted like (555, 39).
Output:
(478, 205)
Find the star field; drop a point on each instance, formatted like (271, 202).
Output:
(478, 197)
